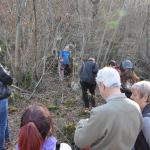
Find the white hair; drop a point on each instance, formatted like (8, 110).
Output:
(143, 88)
(67, 47)
(109, 76)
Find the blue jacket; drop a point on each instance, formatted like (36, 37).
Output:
(65, 55)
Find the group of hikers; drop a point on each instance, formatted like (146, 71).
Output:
(122, 123)
(89, 71)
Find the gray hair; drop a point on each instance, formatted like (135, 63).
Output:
(109, 76)
(67, 47)
(143, 88)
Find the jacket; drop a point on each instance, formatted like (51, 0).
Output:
(141, 142)
(112, 126)
(88, 71)
(51, 144)
(65, 55)
(5, 80)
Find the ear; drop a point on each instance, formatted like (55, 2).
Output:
(103, 86)
(146, 98)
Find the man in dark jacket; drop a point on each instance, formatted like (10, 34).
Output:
(5, 80)
(88, 73)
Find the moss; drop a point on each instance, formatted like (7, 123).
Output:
(15, 96)
(27, 80)
(52, 108)
(83, 113)
(70, 103)
(69, 130)
(12, 109)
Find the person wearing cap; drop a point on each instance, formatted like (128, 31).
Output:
(64, 58)
(141, 95)
(114, 125)
(128, 77)
(88, 73)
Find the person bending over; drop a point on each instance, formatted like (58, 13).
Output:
(88, 73)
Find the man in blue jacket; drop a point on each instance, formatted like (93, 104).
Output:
(64, 58)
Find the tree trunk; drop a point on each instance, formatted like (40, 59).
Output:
(35, 54)
(147, 31)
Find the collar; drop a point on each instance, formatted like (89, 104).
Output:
(115, 97)
(146, 109)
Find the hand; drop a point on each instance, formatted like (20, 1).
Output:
(61, 60)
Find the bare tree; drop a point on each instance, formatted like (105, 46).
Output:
(108, 29)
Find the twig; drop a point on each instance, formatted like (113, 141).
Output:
(18, 88)
(44, 62)
(36, 87)
(62, 134)
(62, 90)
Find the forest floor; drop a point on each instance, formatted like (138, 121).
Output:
(64, 103)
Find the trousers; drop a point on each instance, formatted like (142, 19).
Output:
(87, 99)
(4, 133)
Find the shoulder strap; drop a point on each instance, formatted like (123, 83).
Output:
(147, 115)
(57, 146)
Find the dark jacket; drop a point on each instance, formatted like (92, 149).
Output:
(5, 80)
(141, 143)
(88, 71)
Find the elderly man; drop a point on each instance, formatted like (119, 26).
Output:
(114, 125)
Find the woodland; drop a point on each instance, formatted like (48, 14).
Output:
(33, 31)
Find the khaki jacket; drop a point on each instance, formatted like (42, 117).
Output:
(112, 126)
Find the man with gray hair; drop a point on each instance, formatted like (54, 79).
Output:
(114, 125)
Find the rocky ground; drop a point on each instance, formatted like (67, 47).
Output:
(64, 102)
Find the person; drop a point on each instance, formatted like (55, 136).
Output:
(114, 125)
(88, 73)
(128, 77)
(5, 81)
(64, 58)
(113, 64)
(141, 95)
(36, 131)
